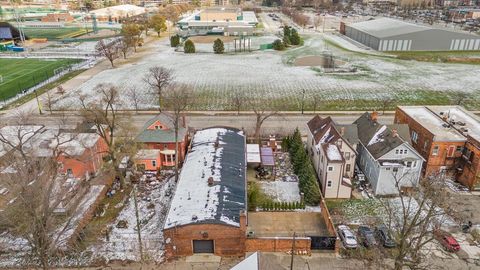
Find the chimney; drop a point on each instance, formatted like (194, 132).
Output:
(210, 181)
(374, 116)
(342, 131)
(394, 133)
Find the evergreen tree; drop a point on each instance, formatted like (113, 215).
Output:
(286, 31)
(174, 41)
(278, 45)
(189, 46)
(295, 37)
(218, 46)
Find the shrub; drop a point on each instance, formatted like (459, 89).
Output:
(174, 41)
(295, 37)
(218, 47)
(278, 45)
(189, 46)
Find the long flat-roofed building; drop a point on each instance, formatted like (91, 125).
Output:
(207, 214)
(387, 34)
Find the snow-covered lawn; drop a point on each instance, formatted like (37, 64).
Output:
(123, 242)
(281, 191)
(264, 74)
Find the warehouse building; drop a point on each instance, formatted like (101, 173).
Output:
(393, 35)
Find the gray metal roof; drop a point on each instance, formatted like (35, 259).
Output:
(386, 27)
(217, 154)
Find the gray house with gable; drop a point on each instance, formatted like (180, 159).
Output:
(386, 156)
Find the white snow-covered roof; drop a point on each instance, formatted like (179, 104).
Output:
(16, 135)
(249, 16)
(386, 27)
(253, 153)
(432, 123)
(217, 154)
(333, 153)
(120, 10)
(71, 144)
(458, 114)
(377, 137)
(148, 154)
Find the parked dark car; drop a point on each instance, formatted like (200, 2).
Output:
(366, 236)
(384, 236)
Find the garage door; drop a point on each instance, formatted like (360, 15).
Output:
(202, 246)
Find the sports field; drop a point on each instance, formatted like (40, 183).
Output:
(21, 74)
(54, 33)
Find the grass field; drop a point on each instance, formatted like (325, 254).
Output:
(54, 33)
(21, 74)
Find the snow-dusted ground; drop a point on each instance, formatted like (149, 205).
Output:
(123, 243)
(264, 74)
(281, 191)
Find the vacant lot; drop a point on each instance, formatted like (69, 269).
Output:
(271, 76)
(21, 74)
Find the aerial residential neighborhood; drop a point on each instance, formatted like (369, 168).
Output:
(240, 135)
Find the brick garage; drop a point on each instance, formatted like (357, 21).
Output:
(207, 213)
(227, 240)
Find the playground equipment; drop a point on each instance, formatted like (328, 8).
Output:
(5, 44)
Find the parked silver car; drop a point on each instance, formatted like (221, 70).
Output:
(348, 238)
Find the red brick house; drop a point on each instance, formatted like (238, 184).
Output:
(58, 17)
(448, 137)
(207, 214)
(159, 133)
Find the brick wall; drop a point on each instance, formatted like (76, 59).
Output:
(278, 244)
(228, 240)
(425, 144)
(470, 175)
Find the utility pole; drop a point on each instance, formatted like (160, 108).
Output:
(293, 250)
(38, 102)
(303, 100)
(138, 222)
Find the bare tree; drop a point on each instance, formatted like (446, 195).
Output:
(316, 98)
(50, 101)
(262, 113)
(459, 98)
(36, 191)
(134, 97)
(414, 216)
(386, 103)
(179, 98)
(123, 46)
(238, 100)
(102, 114)
(158, 78)
(108, 50)
(317, 21)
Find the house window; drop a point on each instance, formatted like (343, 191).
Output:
(395, 169)
(329, 183)
(425, 145)
(347, 156)
(397, 152)
(158, 127)
(348, 167)
(435, 150)
(154, 163)
(69, 172)
(415, 164)
(165, 146)
(409, 164)
(405, 151)
(339, 143)
(387, 168)
(459, 149)
(414, 136)
(330, 168)
(451, 151)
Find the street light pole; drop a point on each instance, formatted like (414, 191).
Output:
(303, 100)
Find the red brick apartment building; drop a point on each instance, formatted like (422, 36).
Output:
(448, 137)
(207, 214)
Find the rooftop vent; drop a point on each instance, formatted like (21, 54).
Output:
(210, 181)
(446, 125)
(464, 129)
(194, 217)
